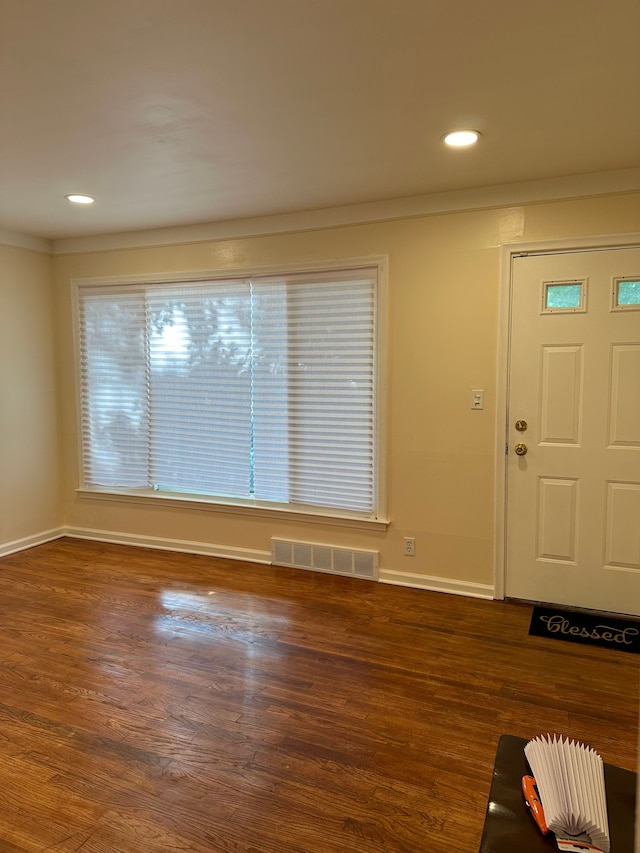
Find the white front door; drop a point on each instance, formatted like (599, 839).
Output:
(573, 499)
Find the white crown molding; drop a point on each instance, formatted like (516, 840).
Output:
(25, 241)
(529, 192)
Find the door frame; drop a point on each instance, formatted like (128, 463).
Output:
(508, 251)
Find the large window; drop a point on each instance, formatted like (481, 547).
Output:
(258, 389)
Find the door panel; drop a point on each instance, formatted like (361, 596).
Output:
(621, 536)
(624, 420)
(557, 519)
(561, 395)
(573, 501)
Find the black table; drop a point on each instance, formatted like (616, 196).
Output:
(508, 826)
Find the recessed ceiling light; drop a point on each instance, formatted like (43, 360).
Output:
(461, 138)
(78, 198)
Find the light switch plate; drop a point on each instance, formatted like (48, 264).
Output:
(477, 398)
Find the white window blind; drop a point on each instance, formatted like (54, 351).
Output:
(256, 389)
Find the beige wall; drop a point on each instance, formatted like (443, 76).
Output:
(443, 322)
(29, 446)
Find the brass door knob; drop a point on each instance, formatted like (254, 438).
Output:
(521, 449)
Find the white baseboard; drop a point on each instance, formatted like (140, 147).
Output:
(436, 584)
(7, 548)
(389, 576)
(161, 544)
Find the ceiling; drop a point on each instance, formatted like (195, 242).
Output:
(174, 112)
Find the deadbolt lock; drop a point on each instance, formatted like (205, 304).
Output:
(521, 449)
(521, 426)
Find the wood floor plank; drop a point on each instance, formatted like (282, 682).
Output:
(168, 702)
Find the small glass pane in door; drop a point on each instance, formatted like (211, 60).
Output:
(627, 293)
(563, 297)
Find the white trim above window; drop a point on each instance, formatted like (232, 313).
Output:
(253, 389)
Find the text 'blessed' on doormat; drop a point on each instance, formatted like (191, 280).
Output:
(609, 632)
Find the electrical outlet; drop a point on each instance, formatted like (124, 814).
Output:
(409, 546)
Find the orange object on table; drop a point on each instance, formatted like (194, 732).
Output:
(532, 799)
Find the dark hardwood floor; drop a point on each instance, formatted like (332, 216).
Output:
(153, 702)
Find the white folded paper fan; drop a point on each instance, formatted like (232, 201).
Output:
(570, 780)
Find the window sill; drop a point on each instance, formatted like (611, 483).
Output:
(236, 508)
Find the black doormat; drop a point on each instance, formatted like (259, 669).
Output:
(608, 632)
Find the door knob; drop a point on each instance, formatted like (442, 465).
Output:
(521, 449)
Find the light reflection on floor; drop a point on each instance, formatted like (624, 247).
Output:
(208, 615)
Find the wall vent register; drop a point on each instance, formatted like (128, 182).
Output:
(325, 558)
